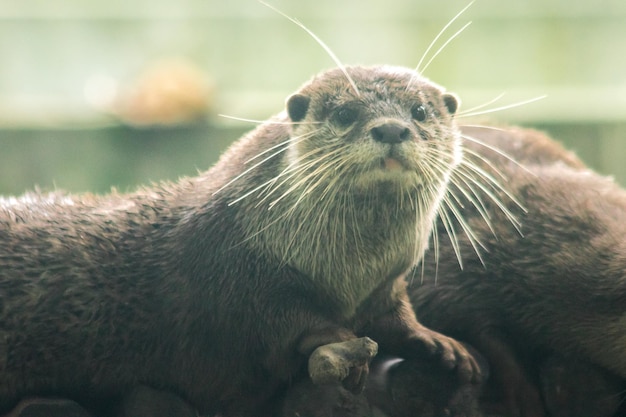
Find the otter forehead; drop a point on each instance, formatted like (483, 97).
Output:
(372, 82)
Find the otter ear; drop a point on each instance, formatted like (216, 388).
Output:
(297, 106)
(452, 102)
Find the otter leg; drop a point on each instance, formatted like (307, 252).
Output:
(400, 334)
(337, 355)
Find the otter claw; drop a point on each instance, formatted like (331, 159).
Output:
(346, 362)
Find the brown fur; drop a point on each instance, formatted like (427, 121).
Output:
(527, 309)
(187, 288)
(559, 286)
(572, 387)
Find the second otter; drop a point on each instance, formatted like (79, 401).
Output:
(555, 287)
(219, 287)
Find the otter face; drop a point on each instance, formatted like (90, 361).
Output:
(360, 164)
(397, 129)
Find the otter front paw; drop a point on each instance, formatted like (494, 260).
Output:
(346, 362)
(453, 355)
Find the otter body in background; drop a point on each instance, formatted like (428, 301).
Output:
(555, 287)
(219, 287)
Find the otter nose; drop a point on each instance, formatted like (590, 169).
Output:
(391, 133)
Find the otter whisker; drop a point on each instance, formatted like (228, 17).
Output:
(470, 193)
(287, 213)
(495, 150)
(407, 196)
(498, 129)
(481, 106)
(457, 33)
(449, 199)
(325, 173)
(469, 169)
(426, 169)
(273, 122)
(497, 109)
(321, 175)
(487, 162)
(330, 186)
(419, 68)
(287, 144)
(356, 232)
(467, 190)
(415, 206)
(343, 162)
(259, 231)
(451, 231)
(268, 185)
(474, 198)
(472, 238)
(253, 191)
(312, 220)
(463, 179)
(298, 167)
(295, 164)
(330, 53)
(435, 238)
(434, 229)
(319, 168)
(503, 208)
(272, 186)
(291, 171)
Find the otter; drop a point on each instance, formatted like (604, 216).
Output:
(533, 300)
(552, 286)
(288, 256)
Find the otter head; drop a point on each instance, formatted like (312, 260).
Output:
(381, 126)
(358, 174)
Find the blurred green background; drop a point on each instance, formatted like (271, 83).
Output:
(74, 87)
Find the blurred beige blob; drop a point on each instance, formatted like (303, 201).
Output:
(167, 93)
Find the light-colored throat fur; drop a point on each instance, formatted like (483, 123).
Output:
(348, 243)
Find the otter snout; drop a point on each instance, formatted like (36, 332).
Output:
(390, 132)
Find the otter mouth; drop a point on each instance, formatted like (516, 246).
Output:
(394, 161)
(389, 170)
(392, 164)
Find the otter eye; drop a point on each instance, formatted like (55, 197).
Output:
(419, 113)
(345, 116)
